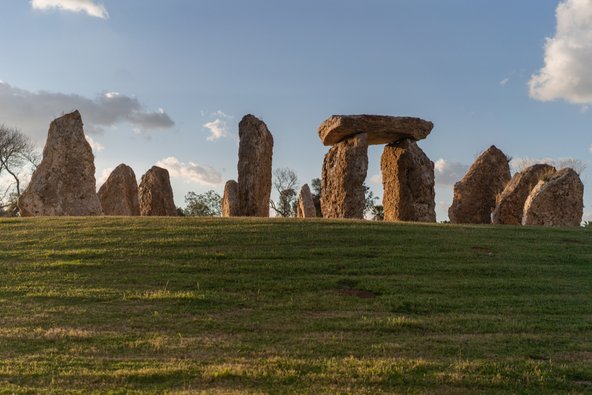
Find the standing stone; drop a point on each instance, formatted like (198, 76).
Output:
(119, 194)
(64, 182)
(475, 195)
(510, 204)
(306, 206)
(230, 207)
(344, 171)
(558, 201)
(408, 181)
(156, 194)
(254, 167)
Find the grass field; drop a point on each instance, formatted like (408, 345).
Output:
(185, 305)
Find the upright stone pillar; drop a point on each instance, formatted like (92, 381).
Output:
(254, 167)
(156, 193)
(230, 206)
(408, 181)
(306, 207)
(344, 172)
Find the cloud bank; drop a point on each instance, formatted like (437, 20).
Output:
(33, 111)
(449, 172)
(191, 172)
(568, 57)
(87, 6)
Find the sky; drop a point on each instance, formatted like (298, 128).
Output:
(167, 82)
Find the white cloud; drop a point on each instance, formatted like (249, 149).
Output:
(191, 172)
(33, 111)
(568, 56)
(376, 179)
(104, 175)
(87, 6)
(95, 145)
(218, 128)
(504, 81)
(590, 147)
(449, 172)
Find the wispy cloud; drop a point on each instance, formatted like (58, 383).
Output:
(218, 127)
(104, 176)
(449, 172)
(87, 6)
(376, 179)
(32, 111)
(568, 57)
(95, 145)
(191, 172)
(504, 82)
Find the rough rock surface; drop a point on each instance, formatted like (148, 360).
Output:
(306, 206)
(510, 204)
(344, 171)
(558, 201)
(475, 195)
(156, 194)
(381, 129)
(119, 194)
(64, 182)
(408, 181)
(230, 207)
(254, 167)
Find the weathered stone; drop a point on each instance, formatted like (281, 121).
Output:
(558, 201)
(230, 203)
(510, 204)
(475, 195)
(344, 171)
(64, 182)
(306, 206)
(381, 129)
(408, 181)
(156, 194)
(254, 167)
(119, 194)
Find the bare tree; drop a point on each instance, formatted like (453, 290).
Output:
(17, 152)
(285, 182)
(520, 164)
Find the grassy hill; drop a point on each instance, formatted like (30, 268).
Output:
(217, 305)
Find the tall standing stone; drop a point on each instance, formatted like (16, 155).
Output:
(254, 167)
(64, 182)
(156, 194)
(119, 194)
(306, 206)
(475, 195)
(408, 181)
(510, 204)
(344, 172)
(230, 204)
(558, 201)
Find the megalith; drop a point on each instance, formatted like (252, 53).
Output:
(254, 167)
(64, 182)
(119, 194)
(344, 171)
(510, 204)
(475, 195)
(557, 201)
(156, 194)
(230, 203)
(408, 182)
(306, 206)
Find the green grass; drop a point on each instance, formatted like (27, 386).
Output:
(185, 305)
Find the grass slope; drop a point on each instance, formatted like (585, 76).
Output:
(156, 305)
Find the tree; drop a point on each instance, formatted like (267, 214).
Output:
(285, 182)
(369, 199)
(17, 152)
(315, 186)
(207, 204)
(377, 213)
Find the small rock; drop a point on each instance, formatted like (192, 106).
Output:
(230, 202)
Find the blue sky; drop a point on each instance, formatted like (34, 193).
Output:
(148, 75)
